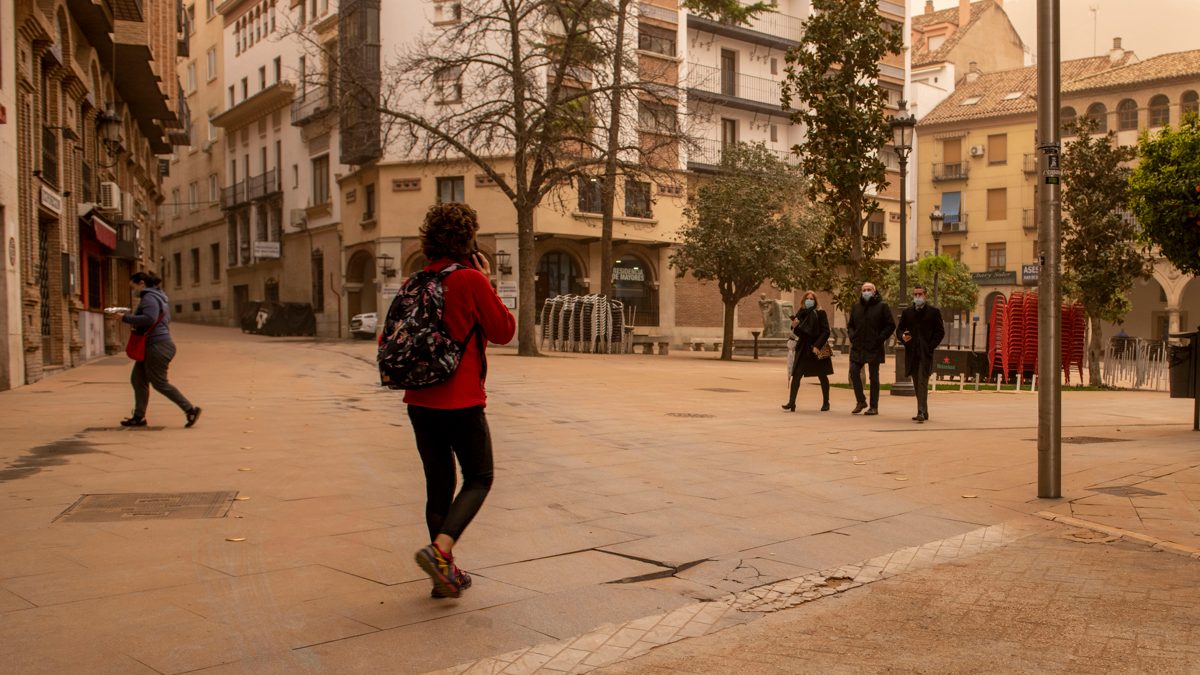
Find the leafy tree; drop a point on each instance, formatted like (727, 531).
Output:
(727, 11)
(1101, 258)
(1165, 193)
(745, 228)
(832, 81)
(957, 291)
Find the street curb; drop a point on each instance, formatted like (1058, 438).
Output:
(1127, 535)
(611, 644)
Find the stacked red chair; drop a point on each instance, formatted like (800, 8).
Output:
(995, 343)
(1074, 339)
(1029, 336)
(1014, 334)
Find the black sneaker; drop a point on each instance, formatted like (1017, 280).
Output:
(871, 411)
(192, 416)
(133, 422)
(858, 408)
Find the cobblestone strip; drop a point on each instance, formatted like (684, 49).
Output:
(613, 643)
(1128, 535)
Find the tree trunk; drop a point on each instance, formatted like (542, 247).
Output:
(614, 144)
(527, 343)
(727, 332)
(1095, 351)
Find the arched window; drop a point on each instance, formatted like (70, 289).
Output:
(1066, 117)
(557, 275)
(635, 289)
(1127, 115)
(1189, 102)
(1160, 111)
(1098, 113)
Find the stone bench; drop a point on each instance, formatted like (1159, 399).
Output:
(648, 342)
(700, 344)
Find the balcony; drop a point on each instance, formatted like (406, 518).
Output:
(746, 92)
(262, 185)
(311, 106)
(259, 105)
(1029, 165)
(707, 156)
(234, 195)
(1029, 220)
(649, 11)
(770, 29)
(950, 171)
(127, 240)
(956, 226)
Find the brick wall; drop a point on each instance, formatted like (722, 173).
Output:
(697, 303)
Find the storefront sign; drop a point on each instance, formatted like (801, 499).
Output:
(506, 288)
(51, 200)
(628, 274)
(996, 278)
(1030, 274)
(391, 289)
(266, 249)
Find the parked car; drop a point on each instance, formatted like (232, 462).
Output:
(362, 326)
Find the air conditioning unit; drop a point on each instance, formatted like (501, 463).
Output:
(298, 218)
(977, 151)
(110, 196)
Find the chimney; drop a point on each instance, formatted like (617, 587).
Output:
(1117, 53)
(973, 72)
(928, 7)
(964, 13)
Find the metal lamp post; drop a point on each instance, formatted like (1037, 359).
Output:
(903, 125)
(936, 219)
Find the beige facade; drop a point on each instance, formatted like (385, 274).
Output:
(12, 362)
(978, 166)
(194, 252)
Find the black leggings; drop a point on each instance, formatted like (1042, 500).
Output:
(443, 435)
(795, 386)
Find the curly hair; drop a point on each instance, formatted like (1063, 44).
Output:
(449, 231)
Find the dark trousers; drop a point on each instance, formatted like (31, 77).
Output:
(856, 381)
(920, 377)
(443, 435)
(794, 386)
(153, 371)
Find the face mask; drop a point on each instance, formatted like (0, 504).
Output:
(867, 295)
(809, 303)
(919, 301)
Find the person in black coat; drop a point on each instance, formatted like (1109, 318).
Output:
(870, 325)
(921, 329)
(811, 328)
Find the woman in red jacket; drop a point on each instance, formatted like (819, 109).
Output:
(448, 418)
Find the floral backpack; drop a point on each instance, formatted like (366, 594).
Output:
(415, 347)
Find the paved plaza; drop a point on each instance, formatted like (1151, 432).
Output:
(639, 501)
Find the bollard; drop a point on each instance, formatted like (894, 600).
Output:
(755, 333)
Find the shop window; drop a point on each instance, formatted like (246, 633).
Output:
(557, 275)
(318, 281)
(632, 286)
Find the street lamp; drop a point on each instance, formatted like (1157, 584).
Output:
(503, 259)
(936, 220)
(385, 265)
(903, 125)
(108, 128)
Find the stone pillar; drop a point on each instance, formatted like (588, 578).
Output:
(1173, 325)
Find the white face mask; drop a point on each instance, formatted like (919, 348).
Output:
(919, 301)
(809, 303)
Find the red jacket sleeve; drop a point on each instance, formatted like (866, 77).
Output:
(498, 324)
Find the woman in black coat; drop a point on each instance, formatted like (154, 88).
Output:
(811, 327)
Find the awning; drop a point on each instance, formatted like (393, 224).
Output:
(105, 234)
(951, 204)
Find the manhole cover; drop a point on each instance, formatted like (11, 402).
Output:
(145, 428)
(682, 414)
(148, 506)
(1126, 491)
(1085, 440)
(722, 390)
(1090, 537)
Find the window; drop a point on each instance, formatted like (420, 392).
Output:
(1189, 102)
(875, 225)
(729, 72)
(278, 69)
(189, 28)
(193, 195)
(369, 202)
(657, 40)
(590, 195)
(729, 135)
(214, 190)
(191, 77)
(448, 82)
(997, 257)
(320, 179)
(451, 189)
(216, 262)
(1160, 111)
(774, 133)
(952, 250)
(318, 281)
(657, 119)
(1127, 115)
(177, 269)
(262, 78)
(211, 134)
(210, 8)
(998, 149)
(1066, 117)
(303, 70)
(176, 199)
(445, 12)
(245, 88)
(952, 211)
(1098, 113)
(195, 266)
(211, 59)
(637, 199)
(997, 204)
(232, 98)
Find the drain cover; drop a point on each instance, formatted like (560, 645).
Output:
(702, 415)
(1085, 440)
(90, 430)
(722, 390)
(1126, 491)
(1090, 537)
(148, 506)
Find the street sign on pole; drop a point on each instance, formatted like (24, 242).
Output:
(1049, 91)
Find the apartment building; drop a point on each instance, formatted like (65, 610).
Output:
(194, 253)
(95, 101)
(979, 166)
